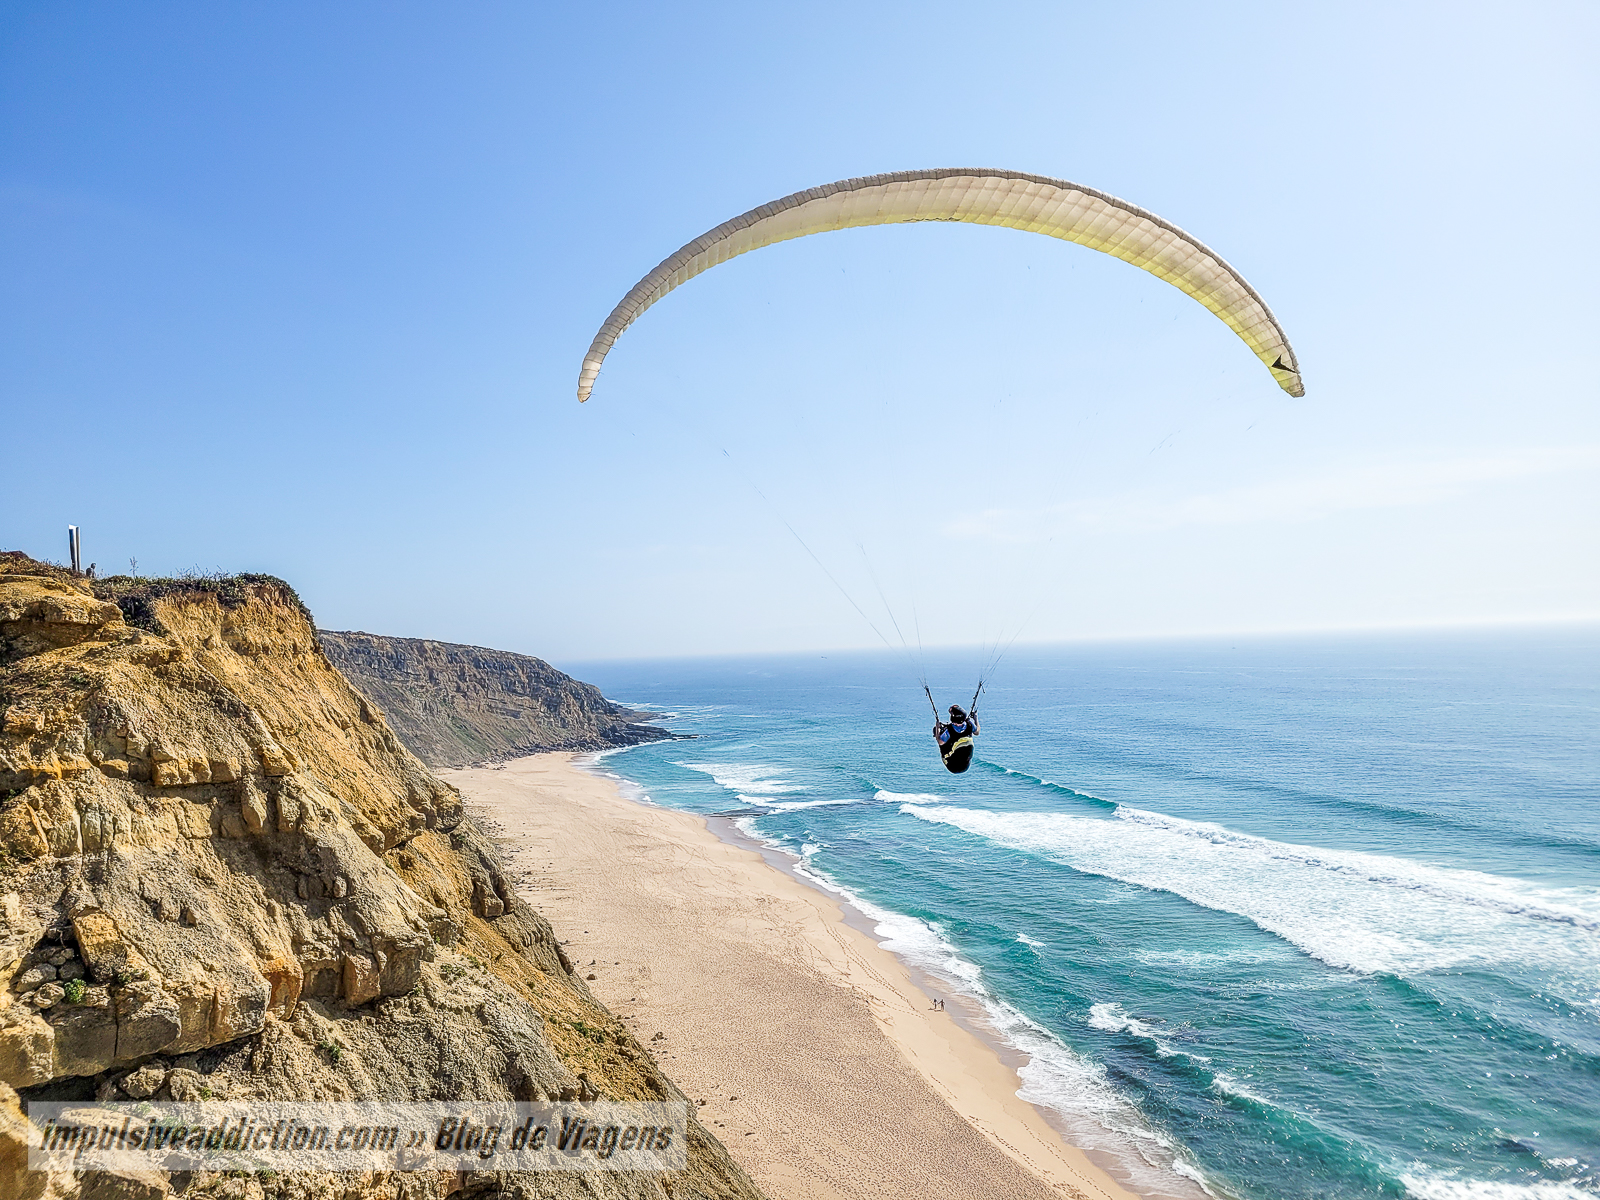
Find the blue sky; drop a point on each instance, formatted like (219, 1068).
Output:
(304, 288)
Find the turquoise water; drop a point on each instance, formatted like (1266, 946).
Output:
(1309, 918)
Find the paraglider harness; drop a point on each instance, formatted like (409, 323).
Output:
(955, 744)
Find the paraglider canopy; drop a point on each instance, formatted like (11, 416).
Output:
(1035, 203)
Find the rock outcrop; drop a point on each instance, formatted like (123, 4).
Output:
(457, 706)
(221, 874)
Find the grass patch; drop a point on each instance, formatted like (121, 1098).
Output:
(598, 1036)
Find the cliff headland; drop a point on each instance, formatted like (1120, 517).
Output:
(456, 706)
(223, 875)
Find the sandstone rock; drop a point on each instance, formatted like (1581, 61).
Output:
(77, 900)
(17, 1182)
(485, 902)
(60, 956)
(253, 809)
(108, 954)
(361, 980)
(54, 614)
(20, 721)
(288, 810)
(186, 1086)
(27, 1047)
(147, 1021)
(46, 996)
(70, 970)
(274, 761)
(144, 1082)
(85, 1039)
(340, 888)
(34, 976)
(56, 817)
(97, 829)
(286, 979)
(215, 1011)
(18, 934)
(196, 1003)
(21, 832)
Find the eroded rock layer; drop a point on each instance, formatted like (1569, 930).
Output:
(457, 706)
(221, 874)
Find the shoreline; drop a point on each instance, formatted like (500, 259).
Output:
(894, 1096)
(967, 1013)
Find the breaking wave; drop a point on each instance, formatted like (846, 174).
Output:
(1362, 912)
(752, 778)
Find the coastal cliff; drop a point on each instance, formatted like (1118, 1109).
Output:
(456, 706)
(223, 875)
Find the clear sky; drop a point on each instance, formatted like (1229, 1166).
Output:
(304, 289)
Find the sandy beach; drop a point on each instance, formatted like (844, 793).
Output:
(823, 1065)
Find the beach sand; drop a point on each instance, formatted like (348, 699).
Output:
(824, 1068)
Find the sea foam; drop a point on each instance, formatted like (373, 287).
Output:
(1450, 1187)
(752, 778)
(906, 797)
(1111, 1018)
(1358, 911)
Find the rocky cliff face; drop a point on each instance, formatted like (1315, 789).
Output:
(221, 874)
(455, 706)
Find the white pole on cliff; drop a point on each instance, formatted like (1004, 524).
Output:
(74, 548)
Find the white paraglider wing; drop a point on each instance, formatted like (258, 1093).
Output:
(1032, 202)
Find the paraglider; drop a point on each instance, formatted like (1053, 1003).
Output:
(954, 739)
(1035, 203)
(1012, 199)
(955, 736)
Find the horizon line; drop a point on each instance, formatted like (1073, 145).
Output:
(1466, 624)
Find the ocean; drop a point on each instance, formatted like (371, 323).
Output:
(1310, 917)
